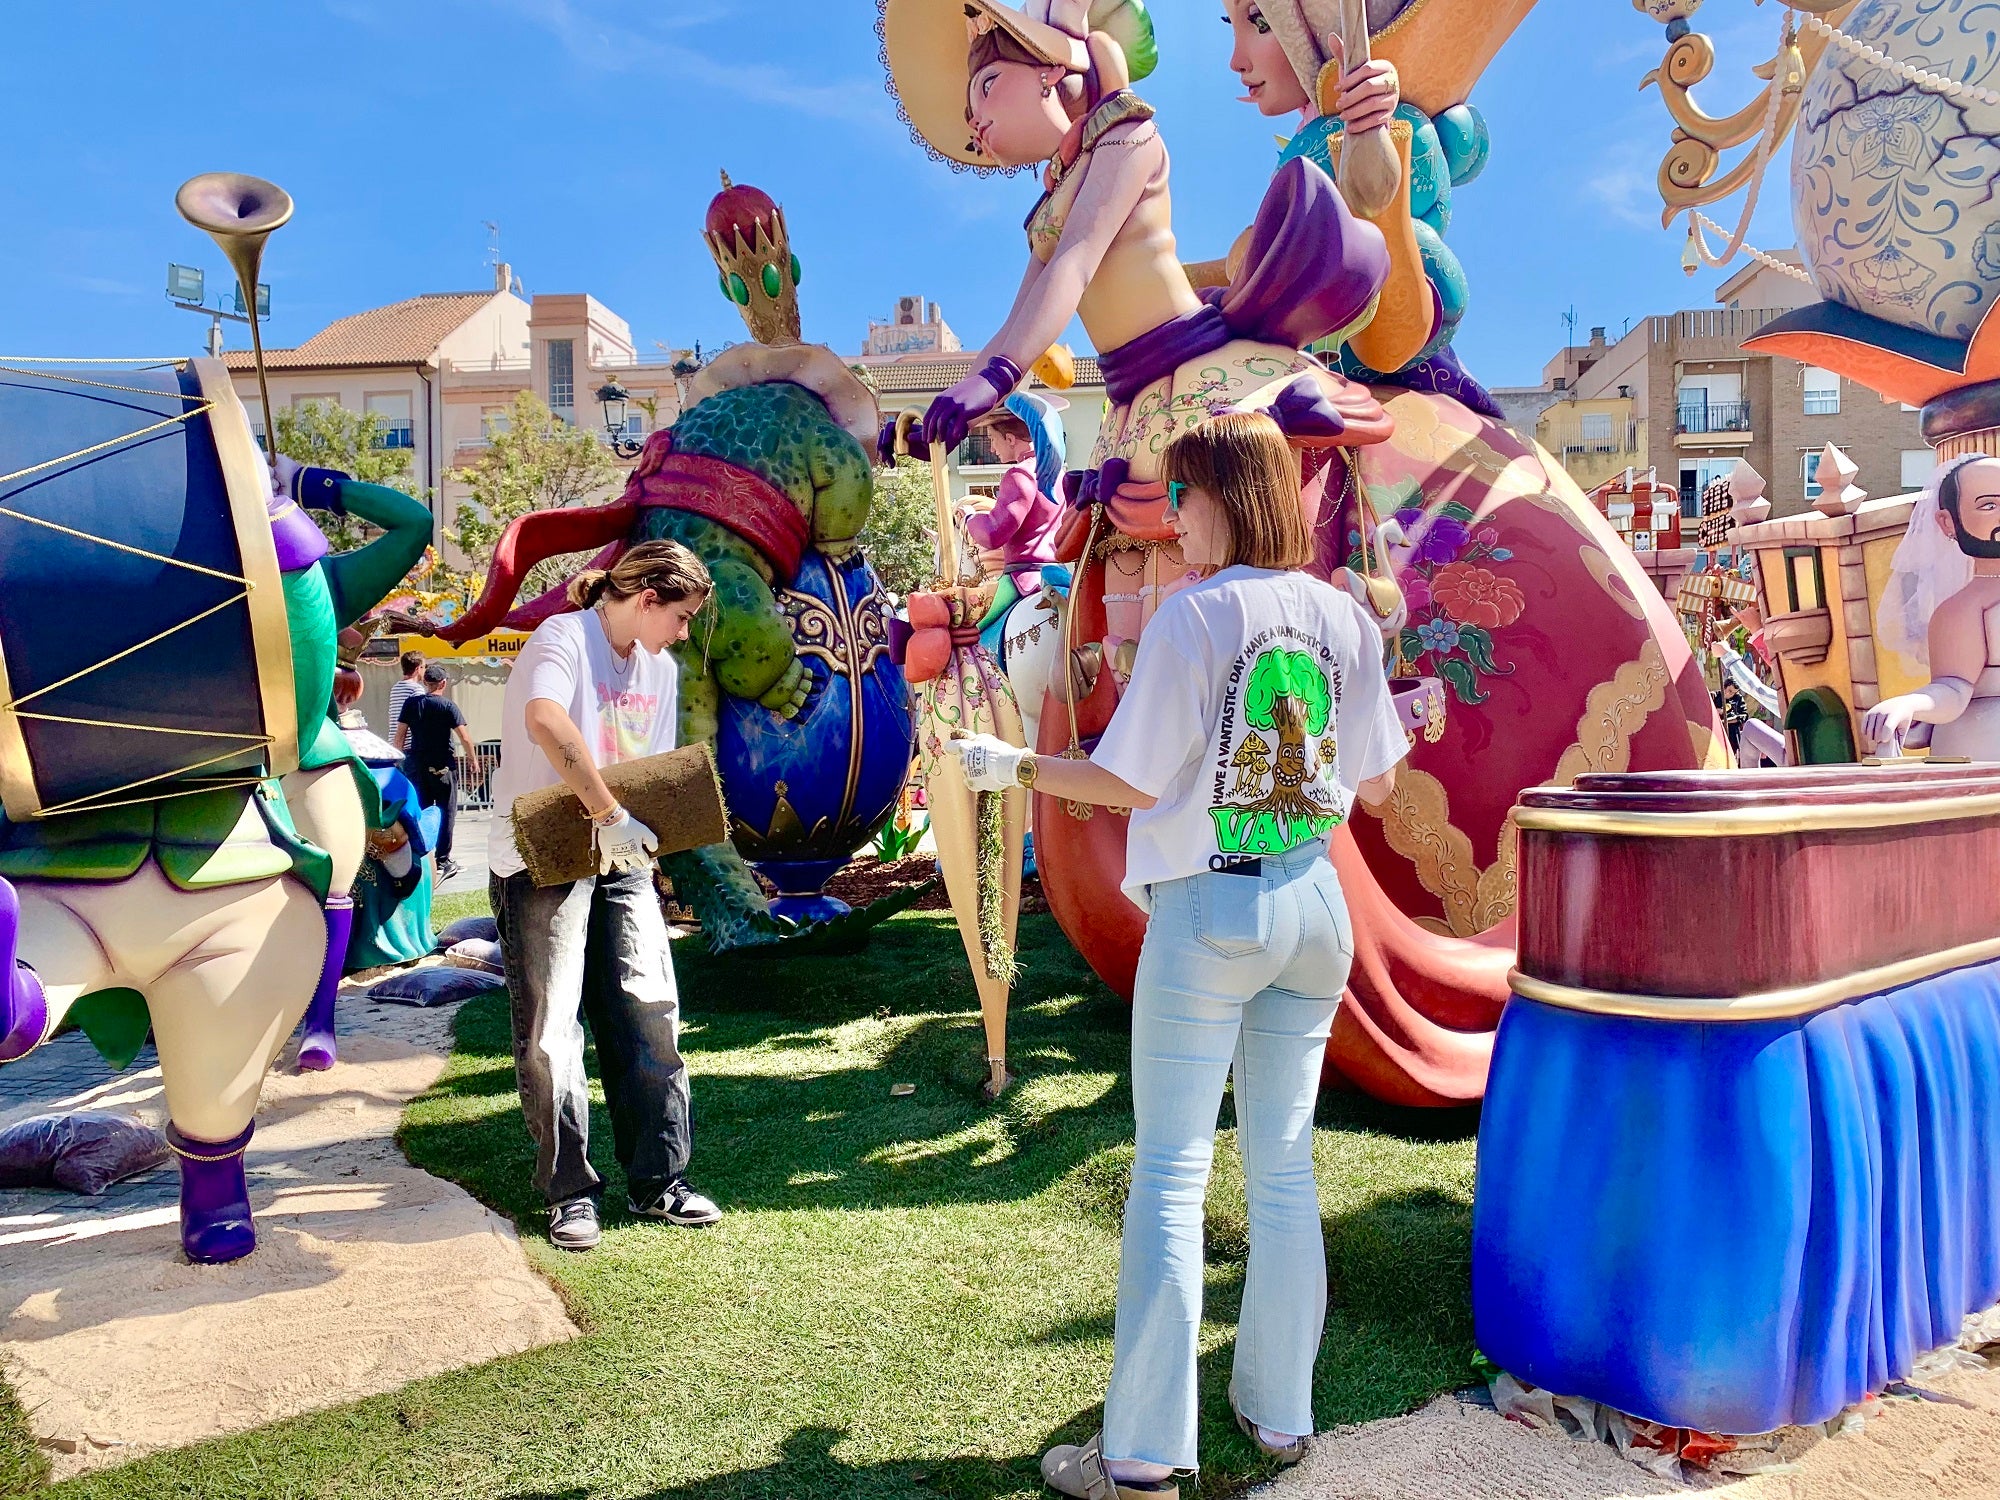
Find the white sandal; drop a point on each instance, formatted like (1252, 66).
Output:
(1080, 1474)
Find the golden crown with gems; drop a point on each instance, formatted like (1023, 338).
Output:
(746, 234)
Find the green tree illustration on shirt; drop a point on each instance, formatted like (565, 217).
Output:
(1287, 695)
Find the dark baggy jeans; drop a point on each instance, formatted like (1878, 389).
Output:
(437, 789)
(595, 949)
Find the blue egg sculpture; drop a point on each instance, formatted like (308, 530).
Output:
(805, 793)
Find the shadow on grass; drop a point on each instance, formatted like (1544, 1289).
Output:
(851, 1145)
(809, 1466)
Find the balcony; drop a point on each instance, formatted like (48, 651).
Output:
(1714, 424)
(1715, 416)
(976, 452)
(399, 435)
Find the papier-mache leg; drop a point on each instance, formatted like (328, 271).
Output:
(215, 1197)
(317, 1048)
(24, 1006)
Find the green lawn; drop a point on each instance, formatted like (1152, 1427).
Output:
(908, 1297)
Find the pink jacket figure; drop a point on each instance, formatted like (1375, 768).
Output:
(1027, 432)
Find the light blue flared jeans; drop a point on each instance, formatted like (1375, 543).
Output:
(1245, 971)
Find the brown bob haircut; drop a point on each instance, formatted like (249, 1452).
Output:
(1244, 462)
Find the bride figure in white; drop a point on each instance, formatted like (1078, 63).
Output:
(1942, 608)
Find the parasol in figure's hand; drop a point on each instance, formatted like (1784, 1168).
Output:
(980, 835)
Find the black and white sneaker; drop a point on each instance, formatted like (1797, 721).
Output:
(449, 869)
(573, 1225)
(676, 1203)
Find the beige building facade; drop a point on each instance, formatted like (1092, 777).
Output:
(1678, 394)
(442, 370)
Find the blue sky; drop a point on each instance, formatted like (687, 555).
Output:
(593, 134)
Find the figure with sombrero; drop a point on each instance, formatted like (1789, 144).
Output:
(994, 87)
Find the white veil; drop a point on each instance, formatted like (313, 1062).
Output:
(1927, 570)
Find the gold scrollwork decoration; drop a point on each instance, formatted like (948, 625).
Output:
(1687, 176)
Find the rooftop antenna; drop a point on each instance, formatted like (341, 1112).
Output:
(492, 244)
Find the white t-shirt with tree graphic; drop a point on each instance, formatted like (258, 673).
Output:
(1257, 708)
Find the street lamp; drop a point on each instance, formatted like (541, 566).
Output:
(613, 399)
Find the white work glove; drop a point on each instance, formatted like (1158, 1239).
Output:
(624, 847)
(285, 472)
(990, 765)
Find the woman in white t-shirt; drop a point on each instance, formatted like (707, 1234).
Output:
(588, 690)
(1258, 709)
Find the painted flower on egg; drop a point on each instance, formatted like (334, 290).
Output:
(1473, 596)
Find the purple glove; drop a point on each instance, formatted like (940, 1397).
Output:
(951, 416)
(913, 444)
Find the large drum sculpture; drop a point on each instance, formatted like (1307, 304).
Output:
(183, 820)
(122, 560)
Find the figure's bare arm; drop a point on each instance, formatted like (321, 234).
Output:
(1958, 657)
(1958, 640)
(1377, 790)
(1023, 298)
(1116, 177)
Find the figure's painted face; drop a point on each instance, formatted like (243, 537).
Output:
(1011, 120)
(1011, 447)
(1977, 529)
(1269, 80)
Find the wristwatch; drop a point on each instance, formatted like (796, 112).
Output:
(1027, 773)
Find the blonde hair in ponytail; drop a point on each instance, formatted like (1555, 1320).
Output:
(670, 570)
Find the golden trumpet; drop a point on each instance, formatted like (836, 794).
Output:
(240, 212)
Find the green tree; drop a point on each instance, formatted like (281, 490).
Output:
(538, 462)
(332, 437)
(901, 537)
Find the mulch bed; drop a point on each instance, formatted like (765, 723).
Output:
(867, 880)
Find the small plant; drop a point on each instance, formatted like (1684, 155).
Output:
(899, 838)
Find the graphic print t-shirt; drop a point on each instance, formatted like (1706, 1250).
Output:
(1257, 708)
(627, 710)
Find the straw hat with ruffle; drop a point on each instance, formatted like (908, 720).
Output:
(926, 47)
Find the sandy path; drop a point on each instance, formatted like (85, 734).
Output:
(369, 1273)
(1456, 1450)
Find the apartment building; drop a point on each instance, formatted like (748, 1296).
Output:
(572, 346)
(387, 360)
(443, 369)
(1677, 394)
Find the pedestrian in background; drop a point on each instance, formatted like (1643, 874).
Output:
(424, 735)
(410, 686)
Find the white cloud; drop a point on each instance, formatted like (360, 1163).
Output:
(649, 45)
(1624, 182)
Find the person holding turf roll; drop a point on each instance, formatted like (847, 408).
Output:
(590, 689)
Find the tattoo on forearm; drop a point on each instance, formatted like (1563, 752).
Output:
(572, 754)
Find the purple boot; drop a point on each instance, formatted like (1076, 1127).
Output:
(316, 1047)
(24, 1009)
(215, 1200)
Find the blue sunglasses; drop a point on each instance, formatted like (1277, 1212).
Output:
(1175, 489)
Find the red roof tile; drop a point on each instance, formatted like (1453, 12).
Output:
(403, 333)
